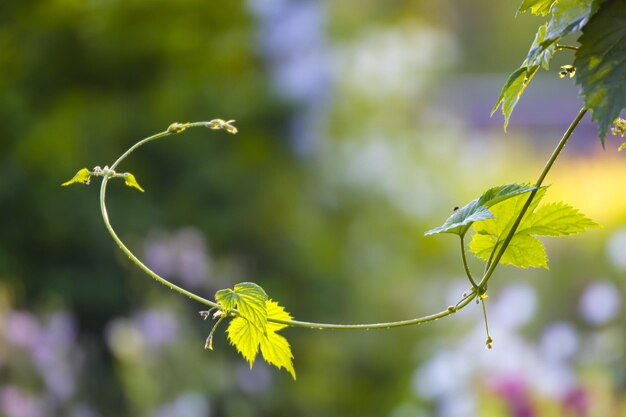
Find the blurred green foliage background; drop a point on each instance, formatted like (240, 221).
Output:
(362, 123)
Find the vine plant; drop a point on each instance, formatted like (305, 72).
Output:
(505, 220)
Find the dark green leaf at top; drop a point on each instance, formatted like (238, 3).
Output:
(462, 219)
(538, 55)
(601, 64)
(568, 16)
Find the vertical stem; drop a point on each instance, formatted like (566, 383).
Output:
(522, 212)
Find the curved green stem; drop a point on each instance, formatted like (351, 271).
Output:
(136, 261)
(385, 325)
(105, 216)
(467, 270)
(520, 216)
(177, 128)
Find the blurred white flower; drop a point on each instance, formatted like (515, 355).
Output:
(513, 307)
(616, 248)
(600, 302)
(559, 341)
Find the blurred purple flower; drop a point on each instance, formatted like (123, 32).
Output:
(515, 392)
(14, 403)
(292, 38)
(157, 327)
(22, 329)
(193, 262)
(254, 381)
(183, 256)
(576, 401)
(160, 257)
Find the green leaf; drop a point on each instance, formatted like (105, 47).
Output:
(622, 147)
(248, 338)
(525, 250)
(503, 219)
(512, 91)
(601, 64)
(276, 351)
(568, 16)
(131, 181)
(538, 55)
(227, 299)
(461, 220)
(249, 299)
(275, 311)
(275, 348)
(556, 219)
(81, 176)
(537, 7)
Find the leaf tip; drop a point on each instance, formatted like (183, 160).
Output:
(131, 181)
(82, 176)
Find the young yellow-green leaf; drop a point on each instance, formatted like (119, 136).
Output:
(227, 299)
(601, 64)
(622, 146)
(249, 299)
(556, 219)
(512, 91)
(275, 311)
(537, 7)
(461, 220)
(246, 337)
(276, 351)
(81, 176)
(131, 181)
(504, 215)
(525, 250)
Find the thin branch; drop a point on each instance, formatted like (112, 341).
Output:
(467, 270)
(296, 323)
(544, 173)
